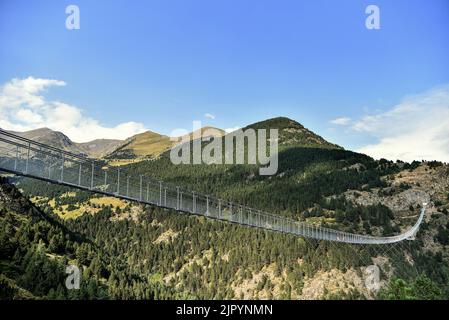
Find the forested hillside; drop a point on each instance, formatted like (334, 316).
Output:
(157, 254)
(310, 168)
(130, 251)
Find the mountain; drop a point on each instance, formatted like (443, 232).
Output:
(100, 147)
(309, 168)
(133, 251)
(160, 254)
(35, 268)
(292, 133)
(94, 149)
(53, 138)
(203, 132)
(147, 144)
(150, 144)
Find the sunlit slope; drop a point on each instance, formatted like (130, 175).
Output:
(147, 144)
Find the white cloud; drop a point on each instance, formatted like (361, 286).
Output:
(342, 121)
(24, 107)
(209, 116)
(415, 129)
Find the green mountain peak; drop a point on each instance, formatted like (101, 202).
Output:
(292, 133)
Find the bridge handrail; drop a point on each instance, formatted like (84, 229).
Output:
(286, 224)
(59, 151)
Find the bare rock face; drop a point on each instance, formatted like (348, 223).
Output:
(408, 190)
(328, 283)
(396, 202)
(423, 184)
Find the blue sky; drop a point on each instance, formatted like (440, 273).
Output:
(166, 63)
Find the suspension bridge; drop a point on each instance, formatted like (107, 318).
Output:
(28, 158)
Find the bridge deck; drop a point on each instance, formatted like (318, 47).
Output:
(32, 159)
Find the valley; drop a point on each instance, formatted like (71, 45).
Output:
(132, 251)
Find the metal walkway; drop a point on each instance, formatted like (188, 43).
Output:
(29, 158)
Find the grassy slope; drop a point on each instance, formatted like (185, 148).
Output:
(150, 145)
(146, 144)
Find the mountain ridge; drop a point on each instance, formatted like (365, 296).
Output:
(95, 148)
(150, 144)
